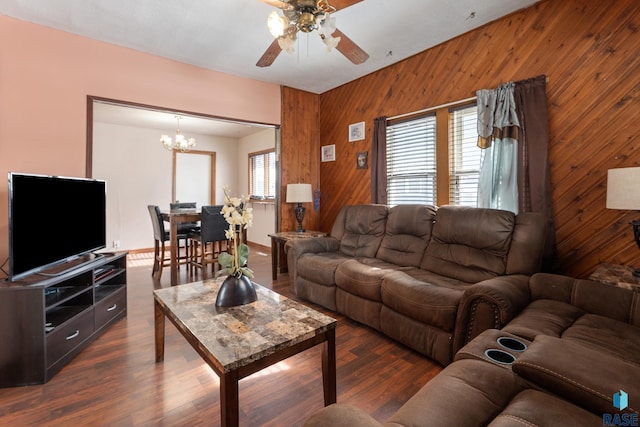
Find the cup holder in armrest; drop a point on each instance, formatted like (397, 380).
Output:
(512, 344)
(500, 356)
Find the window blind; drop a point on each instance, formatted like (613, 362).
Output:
(464, 156)
(263, 175)
(411, 161)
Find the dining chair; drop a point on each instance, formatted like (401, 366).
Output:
(206, 246)
(160, 237)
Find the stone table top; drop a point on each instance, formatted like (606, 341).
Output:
(617, 275)
(287, 235)
(238, 336)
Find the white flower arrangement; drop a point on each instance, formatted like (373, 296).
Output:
(239, 217)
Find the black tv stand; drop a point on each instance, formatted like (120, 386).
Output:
(47, 321)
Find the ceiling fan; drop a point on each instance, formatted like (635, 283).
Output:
(306, 16)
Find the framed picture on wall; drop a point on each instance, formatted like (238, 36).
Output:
(328, 153)
(356, 132)
(362, 160)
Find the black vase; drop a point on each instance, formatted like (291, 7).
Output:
(236, 291)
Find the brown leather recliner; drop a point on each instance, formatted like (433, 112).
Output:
(541, 388)
(431, 278)
(581, 348)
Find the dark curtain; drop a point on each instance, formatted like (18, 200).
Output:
(534, 183)
(379, 161)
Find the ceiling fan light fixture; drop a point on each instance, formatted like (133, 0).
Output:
(326, 24)
(307, 22)
(277, 24)
(307, 16)
(286, 42)
(330, 41)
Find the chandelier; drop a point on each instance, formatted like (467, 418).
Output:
(305, 16)
(180, 143)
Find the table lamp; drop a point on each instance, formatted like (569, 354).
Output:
(622, 193)
(299, 193)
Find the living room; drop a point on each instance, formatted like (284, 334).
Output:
(587, 50)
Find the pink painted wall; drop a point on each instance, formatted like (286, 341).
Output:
(46, 75)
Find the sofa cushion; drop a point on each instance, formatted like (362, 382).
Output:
(407, 234)
(469, 244)
(363, 276)
(321, 267)
(431, 304)
(544, 317)
(527, 244)
(617, 338)
(466, 393)
(591, 296)
(363, 230)
(437, 279)
(341, 415)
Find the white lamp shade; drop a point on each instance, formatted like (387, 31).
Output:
(299, 193)
(623, 188)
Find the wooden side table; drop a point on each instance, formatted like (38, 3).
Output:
(278, 258)
(616, 275)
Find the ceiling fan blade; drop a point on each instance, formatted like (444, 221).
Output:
(270, 54)
(348, 48)
(341, 4)
(277, 3)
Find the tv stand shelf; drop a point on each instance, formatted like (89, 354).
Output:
(48, 320)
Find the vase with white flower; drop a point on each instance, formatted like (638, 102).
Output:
(237, 288)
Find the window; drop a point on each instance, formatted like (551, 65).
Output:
(464, 156)
(411, 161)
(262, 175)
(433, 158)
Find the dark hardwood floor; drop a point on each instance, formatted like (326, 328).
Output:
(116, 382)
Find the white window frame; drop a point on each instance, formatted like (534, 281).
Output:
(264, 177)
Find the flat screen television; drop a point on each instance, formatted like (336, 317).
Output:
(53, 220)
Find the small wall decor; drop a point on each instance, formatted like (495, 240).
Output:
(356, 132)
(316, 199)
(328, 153)
(362, 160)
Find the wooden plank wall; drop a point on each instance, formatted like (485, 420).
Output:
(590, 53)
(299, 153)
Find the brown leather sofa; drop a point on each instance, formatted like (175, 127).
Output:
(431, 278)
(579, 346)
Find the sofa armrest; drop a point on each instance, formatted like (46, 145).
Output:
(339, 415)
(491, 303)
(295, 248)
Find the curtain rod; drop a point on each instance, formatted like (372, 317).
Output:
(426, 110)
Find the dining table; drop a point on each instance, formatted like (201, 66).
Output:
(175, 217)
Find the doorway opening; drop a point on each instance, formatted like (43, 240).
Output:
(124, 148)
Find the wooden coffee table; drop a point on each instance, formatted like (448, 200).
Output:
(239, 341)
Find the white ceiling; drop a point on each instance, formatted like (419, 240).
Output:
(231, 35)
